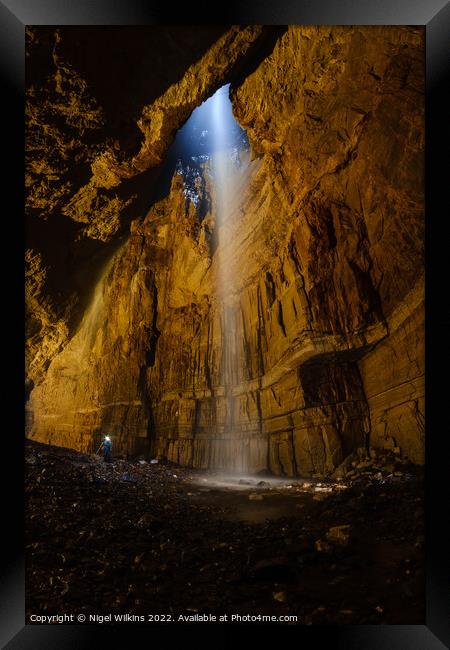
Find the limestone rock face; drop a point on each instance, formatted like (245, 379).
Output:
(313, 347)
(347, 156)
(103, 105)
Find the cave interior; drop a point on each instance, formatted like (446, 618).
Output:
(224, 274)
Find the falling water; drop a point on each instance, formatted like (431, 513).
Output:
(225, 191)
(87, 336)
(211, 150)
(224, 272)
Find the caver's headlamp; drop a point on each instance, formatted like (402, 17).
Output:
(107, 438)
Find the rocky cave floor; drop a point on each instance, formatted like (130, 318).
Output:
(142, 538)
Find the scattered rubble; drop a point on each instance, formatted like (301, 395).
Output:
(166, 541)
(280, 596)
(374, 464)
(339, 534)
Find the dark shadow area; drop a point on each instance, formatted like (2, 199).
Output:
(81, 259)
(343, 556)
(125, 68)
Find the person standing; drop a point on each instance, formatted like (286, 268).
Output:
(106, 446)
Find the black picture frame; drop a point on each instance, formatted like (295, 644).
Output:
(435, 16)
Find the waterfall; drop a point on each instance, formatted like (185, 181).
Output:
(231, 450)
(212, 151)
(94, 317)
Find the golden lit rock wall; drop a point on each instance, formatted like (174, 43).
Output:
(103, 105)
(327, 307)
(339, 114)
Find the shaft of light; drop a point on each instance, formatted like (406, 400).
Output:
(225, 272)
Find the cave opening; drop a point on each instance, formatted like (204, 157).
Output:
(211, 129)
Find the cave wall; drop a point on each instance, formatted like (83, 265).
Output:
(103, 104)
(327, 309)
(344, 141)
(394, 382)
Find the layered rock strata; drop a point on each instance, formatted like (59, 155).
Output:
(97, 130)
(324, 314)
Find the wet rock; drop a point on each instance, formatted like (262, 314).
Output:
(339, 534)
(264, 472)
(323, 546)
(343, 468)
(128, 478)
(186, 541)
(280, 596)
(149, 521)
